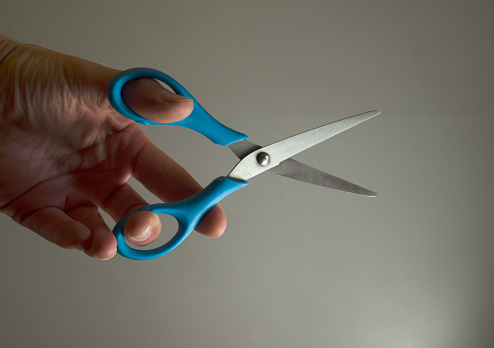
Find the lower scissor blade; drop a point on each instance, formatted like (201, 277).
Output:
(302, 172)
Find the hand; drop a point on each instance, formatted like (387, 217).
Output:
(65, 152)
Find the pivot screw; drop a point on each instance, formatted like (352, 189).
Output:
(263, 159)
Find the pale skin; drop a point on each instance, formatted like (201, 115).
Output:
(65, 153)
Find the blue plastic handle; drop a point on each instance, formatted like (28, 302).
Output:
(199, 120)
(187, 212)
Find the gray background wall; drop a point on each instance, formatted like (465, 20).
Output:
(299, 266)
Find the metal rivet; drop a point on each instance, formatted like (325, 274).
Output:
(263, 159)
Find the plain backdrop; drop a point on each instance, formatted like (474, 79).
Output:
(299, 265)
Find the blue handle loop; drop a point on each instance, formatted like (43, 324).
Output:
(187, 212)
(199, 120)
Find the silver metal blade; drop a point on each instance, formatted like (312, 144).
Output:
(296, 170)
(243, 148)
(249, 167)
(292, 169)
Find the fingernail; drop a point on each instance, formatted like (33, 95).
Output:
(144, 235)
(173, 98)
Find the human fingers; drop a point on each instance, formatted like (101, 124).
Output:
(102, 244)
(154, 102)
(170, 182)
(141, 228)
(58, 228)
(145, 96)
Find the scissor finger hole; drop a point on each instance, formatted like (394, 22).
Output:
(142, 97)
(163, 227)
(144, 87)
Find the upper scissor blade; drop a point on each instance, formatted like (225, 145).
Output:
(284, 149)
(292, 169)
(291, 146)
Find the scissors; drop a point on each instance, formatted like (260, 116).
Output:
(254, 160)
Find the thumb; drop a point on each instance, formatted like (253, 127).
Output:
(145, 96)
(154, 102)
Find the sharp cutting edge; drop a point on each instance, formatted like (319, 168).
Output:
(292, 169)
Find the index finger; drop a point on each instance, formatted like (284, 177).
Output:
(165, 178)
